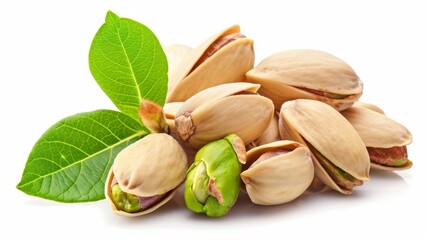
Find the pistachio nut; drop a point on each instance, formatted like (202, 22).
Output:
(369, 106)
(213, 180)
(339, 154)
(307, 74)
(152, 116)
(271, 134)
(228, 108)
(175, 54)
(386, 140)
(277, 172)
(223, 58)
(145, 175)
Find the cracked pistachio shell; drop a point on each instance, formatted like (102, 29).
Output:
(379, 131)
(328, 134)
(228, 64)
(282, 177)
(213, 180)
(307, 74)
(228, 108)
(153, 165)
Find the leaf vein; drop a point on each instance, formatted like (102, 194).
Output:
(130, 67)
(86, 158)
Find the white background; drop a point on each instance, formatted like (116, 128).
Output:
(45, 77)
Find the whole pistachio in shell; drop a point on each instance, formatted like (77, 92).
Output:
(277, 172)
(386, 140)
(225, 57)
(307, 74)
(228, 108)
(145, 175)
(213, 180)
(339, 154)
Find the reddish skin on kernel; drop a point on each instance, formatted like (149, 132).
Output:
(268, 155)
(214, 191)
(147, 202)
(324, 93)
(387, 156)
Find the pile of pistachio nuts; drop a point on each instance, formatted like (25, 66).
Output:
(292, 124)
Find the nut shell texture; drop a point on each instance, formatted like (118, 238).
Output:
(298, 74)
(376, 129)
(279, 179)
(379, 131)
(330, 133)
(151, 166)
(229, 64)
(218, 111)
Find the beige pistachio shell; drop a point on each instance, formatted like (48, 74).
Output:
(317, 186)
(108, 192)
(278, 179)
(288, 75)
(369, 106)
(151, 166)
(213, 94)
(228, 64)
(406, 166)
(170, 110)
(218, 111)
(175, 54)
(271, 134)
(330, 133)
(378, 131)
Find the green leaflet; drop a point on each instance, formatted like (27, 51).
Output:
(71, 160)
(128, 62)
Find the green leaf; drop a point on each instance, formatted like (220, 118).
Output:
(71, 160)
(128, 62)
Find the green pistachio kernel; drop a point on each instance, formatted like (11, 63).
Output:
(213, 180)
(125, 201)
(200, 183)
(400, 162)
(339, 176)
